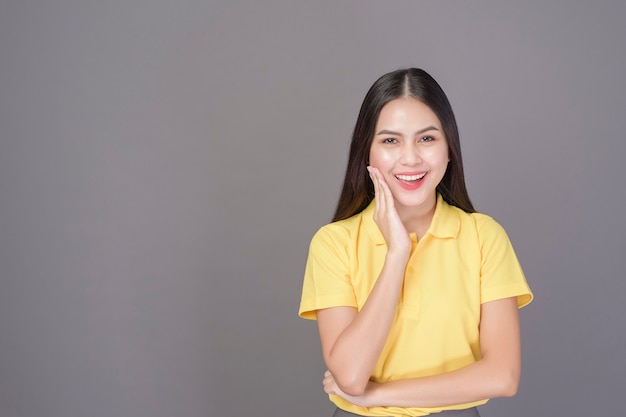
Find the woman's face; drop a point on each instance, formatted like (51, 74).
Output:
(411, 152)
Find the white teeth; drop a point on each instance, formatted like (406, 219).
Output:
(410, 177)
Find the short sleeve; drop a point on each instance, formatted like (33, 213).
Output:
(501, 273)
(327, 280)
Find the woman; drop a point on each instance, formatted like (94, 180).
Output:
(415, 294)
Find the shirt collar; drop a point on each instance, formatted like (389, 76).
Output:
(445, 223)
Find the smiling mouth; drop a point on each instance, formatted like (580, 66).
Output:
(410, 178)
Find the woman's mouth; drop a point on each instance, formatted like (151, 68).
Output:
(410, 182)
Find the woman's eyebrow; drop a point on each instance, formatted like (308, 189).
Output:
(419, 132)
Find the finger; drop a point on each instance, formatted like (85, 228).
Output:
(386, 191)
(385, 195)
(372, 173)
(330, 387)
(374, 178)
(327, 384)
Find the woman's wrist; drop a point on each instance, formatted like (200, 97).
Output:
(372, 396)
(397, 256)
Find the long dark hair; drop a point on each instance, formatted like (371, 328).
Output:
(358, 191)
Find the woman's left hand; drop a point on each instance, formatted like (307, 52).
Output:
(331, 387)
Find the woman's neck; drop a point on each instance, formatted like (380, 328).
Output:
(417, 219)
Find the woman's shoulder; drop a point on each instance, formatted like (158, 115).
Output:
(339, 232)
(477, 217)
(483, 223)
(482, 218)
(486, 228)
(340, 228)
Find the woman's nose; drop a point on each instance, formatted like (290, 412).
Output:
(410, 155)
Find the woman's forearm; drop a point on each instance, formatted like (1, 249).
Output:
(496, 374)
(354, 353)
(472, 383)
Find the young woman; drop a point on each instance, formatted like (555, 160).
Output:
(416, 295)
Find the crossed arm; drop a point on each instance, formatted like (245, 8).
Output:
(351, 362)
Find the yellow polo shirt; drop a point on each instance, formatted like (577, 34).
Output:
(462, 261)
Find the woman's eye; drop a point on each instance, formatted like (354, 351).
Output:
(427, 139)
(389, 140)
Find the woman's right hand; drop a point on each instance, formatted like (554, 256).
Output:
(352, 340)
(387, 218)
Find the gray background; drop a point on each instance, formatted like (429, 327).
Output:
(163, 166)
